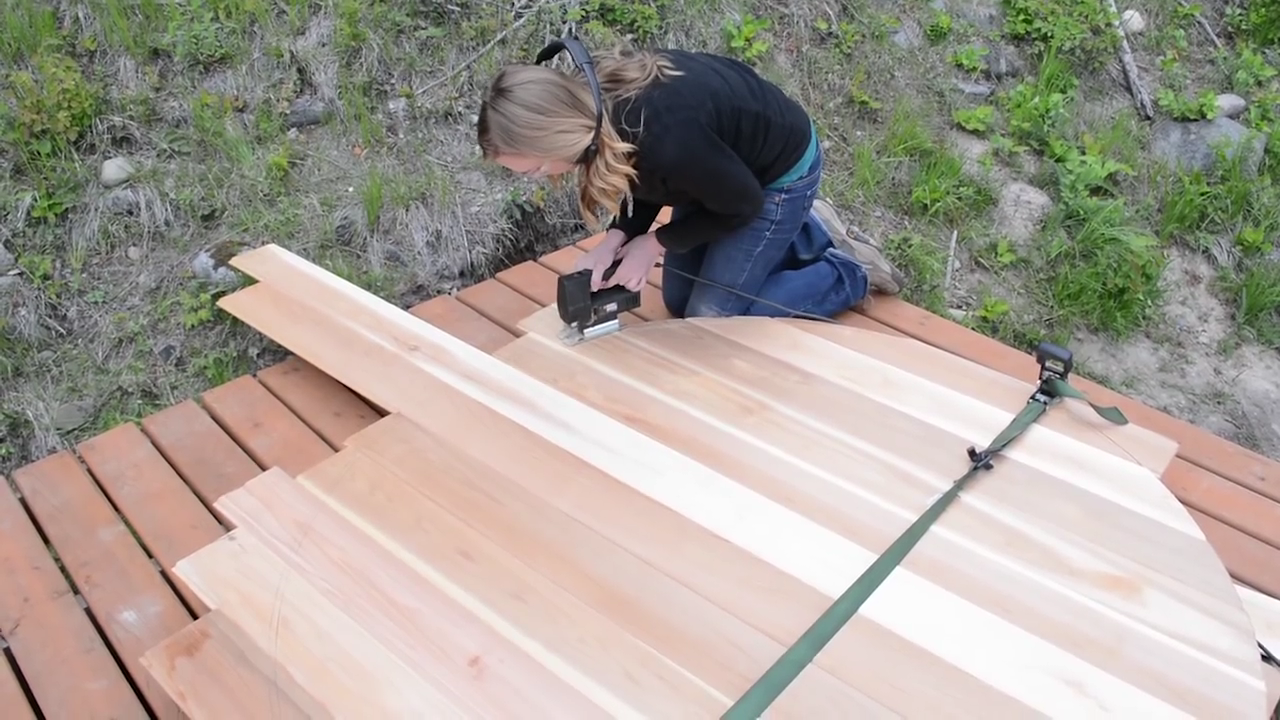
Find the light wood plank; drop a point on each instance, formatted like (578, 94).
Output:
(214, 672)
(300, 630)
(435, 381)
(1272, 675)
(1130, 442)
(418, 622)
(500, 500)
(1079, 596)
(1239, 464)
(1264, 611)
(619, 673)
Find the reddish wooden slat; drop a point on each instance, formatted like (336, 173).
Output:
(499, 304)
(200, 451)
(166, 515)
(462, 322)
(325, 405)
(264, 427)
(133, 604)
(59, 652)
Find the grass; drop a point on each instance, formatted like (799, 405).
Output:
(111, 314)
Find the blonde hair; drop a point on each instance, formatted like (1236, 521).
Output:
(542, 112)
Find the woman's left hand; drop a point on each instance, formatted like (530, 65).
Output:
(638, 258)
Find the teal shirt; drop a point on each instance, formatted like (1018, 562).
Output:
(798, 170)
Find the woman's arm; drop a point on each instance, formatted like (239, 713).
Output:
(700, 164)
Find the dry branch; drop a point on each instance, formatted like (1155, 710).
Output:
(1139, 93)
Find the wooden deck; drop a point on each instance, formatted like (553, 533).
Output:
(85, 543)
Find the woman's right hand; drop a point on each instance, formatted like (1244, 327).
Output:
(599, 258)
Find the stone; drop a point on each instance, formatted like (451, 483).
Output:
(306, 111)
(121, 201)
(116, 171)
(70, 416)
(1021, 211)
(7, 260)
(1132, 22)
(1002, 61)
(908, 35)
(1191, 146)
(985, 15)
(206, 268)
(1231, 105)
(974, 89)
(1260, 406)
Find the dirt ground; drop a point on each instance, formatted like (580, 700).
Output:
(144, 143)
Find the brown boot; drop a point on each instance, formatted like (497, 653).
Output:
(883, 276)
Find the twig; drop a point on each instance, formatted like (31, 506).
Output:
(1204, 25)
(479, 53)
(951, 262)
(1136, 89)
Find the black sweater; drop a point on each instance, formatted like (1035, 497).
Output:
(713, 137)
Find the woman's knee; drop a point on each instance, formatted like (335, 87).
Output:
(715, 302)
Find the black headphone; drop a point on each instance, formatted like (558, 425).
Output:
(582, 59)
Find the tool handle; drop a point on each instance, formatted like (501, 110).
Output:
(609, 271)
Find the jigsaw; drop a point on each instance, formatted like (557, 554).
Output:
(587, 314)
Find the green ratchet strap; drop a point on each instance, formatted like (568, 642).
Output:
(1055, 366)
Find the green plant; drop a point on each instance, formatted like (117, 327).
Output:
(1104, 268)
(53, 106)
(641, 20)
(1256, 292)
(969, 58)
(1078, 29)
(941, 190)
(743, 37)
(1036, 108)
(1257, 22)
(1180, 107)
(939, 27)
(976, 120)
(924, 262)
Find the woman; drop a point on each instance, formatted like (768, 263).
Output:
(736, 159)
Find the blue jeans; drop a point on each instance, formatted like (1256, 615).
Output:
(784, 259)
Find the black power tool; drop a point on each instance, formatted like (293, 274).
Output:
(588, 314)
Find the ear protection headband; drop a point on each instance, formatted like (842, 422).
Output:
(582, 59)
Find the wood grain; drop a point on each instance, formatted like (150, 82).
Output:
(638, 526)
(419, 624)
(214, 672)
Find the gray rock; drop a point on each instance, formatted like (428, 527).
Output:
(72, 415)
(8, 283)
(206, 268)
(974, 89)
(986, 15)
(1133, 22)
(1231, 105)
(908, 35)
(116, 171)
(1002, 62)
(306, 111)
(7, 260)
(1021, 211)
(1260, 405)
(121, 201)
(1191, 146)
